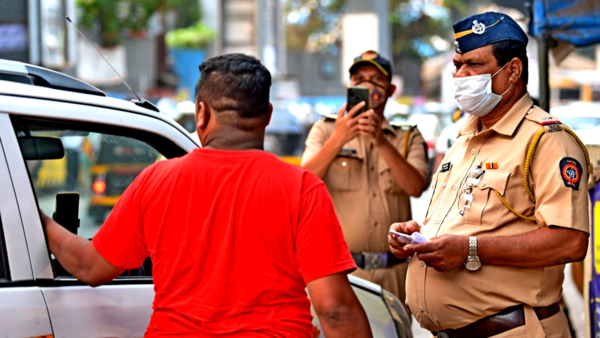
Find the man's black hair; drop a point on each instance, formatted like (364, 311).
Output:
(236, 87)
(506, 50)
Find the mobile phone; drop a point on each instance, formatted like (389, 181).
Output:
(357, 95)
(66, 212)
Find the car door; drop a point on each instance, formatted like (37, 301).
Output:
(23, 311)
(104, 150)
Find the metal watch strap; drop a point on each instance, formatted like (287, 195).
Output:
(472, 246)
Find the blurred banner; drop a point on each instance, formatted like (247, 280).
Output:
(573, 21)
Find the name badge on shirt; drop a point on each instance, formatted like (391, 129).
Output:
(446, 167)
(348, 152)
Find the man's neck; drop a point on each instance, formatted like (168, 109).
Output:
(234, 139)
(502, 108)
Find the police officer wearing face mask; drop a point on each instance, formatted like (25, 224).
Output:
(508, 206)
(370, 168)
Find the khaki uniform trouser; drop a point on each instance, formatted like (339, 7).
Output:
(391, 279)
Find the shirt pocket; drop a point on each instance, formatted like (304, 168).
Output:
(386, 179)
(344, 174)
(487, 207)
(437, 189)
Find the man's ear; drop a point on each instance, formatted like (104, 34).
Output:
(391, 90)
(203, 115)
(516, 69)
(270, 113)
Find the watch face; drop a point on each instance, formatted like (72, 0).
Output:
(473, 265)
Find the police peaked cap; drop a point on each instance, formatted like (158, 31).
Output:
(484, 29)
(373, 58)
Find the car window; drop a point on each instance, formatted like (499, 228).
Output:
(99, 166)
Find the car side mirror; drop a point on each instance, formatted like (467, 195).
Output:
(41, 148)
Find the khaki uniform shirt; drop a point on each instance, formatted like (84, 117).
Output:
(449, 300)
(366, 197)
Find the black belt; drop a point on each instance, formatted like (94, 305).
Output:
(502, 321)
(371, 260)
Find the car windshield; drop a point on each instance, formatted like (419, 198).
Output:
(581, 123)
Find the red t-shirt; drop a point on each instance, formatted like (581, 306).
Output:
(234, 236)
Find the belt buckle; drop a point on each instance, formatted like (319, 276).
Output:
(440, 334)
(375, 260)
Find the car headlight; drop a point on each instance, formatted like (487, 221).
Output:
(398, 313)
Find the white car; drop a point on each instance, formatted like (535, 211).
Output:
(583, 118)
(43, 116)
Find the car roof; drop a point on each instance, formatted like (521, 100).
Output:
(44, 93)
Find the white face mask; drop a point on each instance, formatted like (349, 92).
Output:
(474, 93)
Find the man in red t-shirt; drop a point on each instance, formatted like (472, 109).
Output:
(235, 235)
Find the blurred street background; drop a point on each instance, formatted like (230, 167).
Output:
(308, 45)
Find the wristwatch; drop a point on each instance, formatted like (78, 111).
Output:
(473, 263)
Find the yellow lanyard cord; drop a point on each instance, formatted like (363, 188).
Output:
(406, 139)
(511, 208)
(530, 151)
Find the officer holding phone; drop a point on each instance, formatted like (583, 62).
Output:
(370, 168)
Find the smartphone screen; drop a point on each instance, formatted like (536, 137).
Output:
(357, 95)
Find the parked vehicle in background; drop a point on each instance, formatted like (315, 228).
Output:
(583, 118)
(41, 111)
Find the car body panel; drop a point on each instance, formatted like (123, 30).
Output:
(23, 313)
(105, 311)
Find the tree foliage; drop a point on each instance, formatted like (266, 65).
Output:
(416, 26)
(313, 24)
(114, 18)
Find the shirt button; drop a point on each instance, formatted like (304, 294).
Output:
(421, 308)
(443, 185)
(473, 151)
(344, 164)
(483, 183)
(421, 264)
(455, 187)
(437, 221)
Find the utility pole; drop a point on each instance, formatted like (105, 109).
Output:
(544, 73)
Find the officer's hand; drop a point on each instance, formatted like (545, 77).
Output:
(370, 126)
(443, 253)
(346, 125)
(396, 246)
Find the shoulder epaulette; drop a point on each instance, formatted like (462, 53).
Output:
(402, 125)
(537, 114)
(329, 118)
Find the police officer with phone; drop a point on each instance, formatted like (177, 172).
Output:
(370, 168)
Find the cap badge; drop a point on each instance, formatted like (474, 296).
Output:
(478, 27)
(369, 55)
